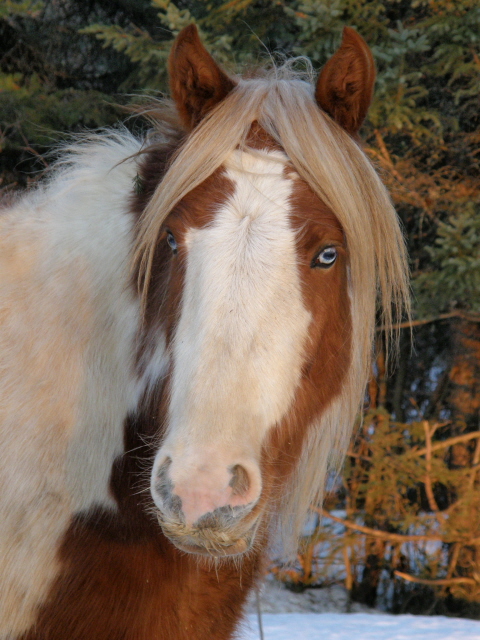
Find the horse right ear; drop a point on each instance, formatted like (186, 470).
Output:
(345, 85)
(197, 83)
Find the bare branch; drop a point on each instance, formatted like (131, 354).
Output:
(440, 581)
(471, 317)
(446, 443)
(395, 537)
(384, 535)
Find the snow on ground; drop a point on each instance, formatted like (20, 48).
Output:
(319, 614)
(275, 598)
(359, 626)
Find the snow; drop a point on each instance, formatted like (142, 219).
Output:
(275, 598)
(358, 626)
(320, 614)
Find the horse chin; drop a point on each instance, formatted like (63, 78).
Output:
(208, 542)
(241, 546)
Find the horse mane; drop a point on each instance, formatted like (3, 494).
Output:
(339, 172)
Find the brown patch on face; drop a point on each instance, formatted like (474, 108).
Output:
(258, 138)
(328, 348)
(152, 169)
(196, 210)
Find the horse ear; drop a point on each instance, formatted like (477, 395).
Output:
(345, 85)
(197, 84)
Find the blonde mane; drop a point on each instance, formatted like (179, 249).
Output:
(342, 176)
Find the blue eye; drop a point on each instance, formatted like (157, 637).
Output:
(172, 243)
(325, 258)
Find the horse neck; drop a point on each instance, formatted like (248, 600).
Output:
(66, 250)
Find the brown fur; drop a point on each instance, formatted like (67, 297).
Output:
(325, 295)
(345, 85)
(195, 210)
(197, 83)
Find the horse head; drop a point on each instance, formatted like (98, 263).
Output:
(259, 253)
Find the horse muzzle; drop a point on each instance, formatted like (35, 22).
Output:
(212, 511)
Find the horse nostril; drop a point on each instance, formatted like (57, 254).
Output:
(163, 487)
(163, 484)
(240, 482)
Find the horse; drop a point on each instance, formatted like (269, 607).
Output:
(186, 326)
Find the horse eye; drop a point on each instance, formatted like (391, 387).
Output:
(172, 243)
(325, 258)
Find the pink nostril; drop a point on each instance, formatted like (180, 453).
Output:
(240, 482)
(162, 489)
(244, 486)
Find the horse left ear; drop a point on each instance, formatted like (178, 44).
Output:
(197, 83)
(345, 85)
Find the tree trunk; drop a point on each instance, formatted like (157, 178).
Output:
(464, 375)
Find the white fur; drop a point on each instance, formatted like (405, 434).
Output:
(153, 366)
(68, 328)
(240, 340)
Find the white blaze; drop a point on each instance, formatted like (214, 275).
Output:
(239, 343)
